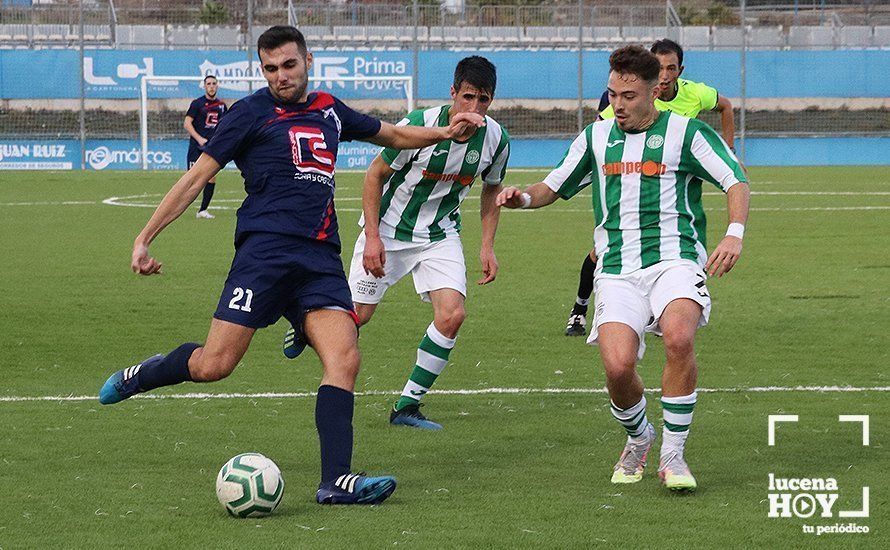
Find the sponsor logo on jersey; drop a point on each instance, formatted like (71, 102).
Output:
(310, 151)
(647, 168)
(463, 180)
(212, 119)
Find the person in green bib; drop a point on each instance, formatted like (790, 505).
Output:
(411, 224)
(677, 95)
(645, 169)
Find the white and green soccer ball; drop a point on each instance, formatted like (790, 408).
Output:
(249, 486)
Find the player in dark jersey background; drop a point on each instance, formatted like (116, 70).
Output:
(201, 121)
(287, 250)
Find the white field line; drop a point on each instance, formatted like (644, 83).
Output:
(484, 391)
(134, 201)
(113, 202)
(589, 210)
(125, 201)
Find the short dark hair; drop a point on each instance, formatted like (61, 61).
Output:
(635, 60)
(476, 71)
(210, 76)
(666, 45)
(276, 36)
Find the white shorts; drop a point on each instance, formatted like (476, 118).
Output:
(433, 265)
(638, 299)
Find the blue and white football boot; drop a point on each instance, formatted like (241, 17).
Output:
(122, 384)
(412, 417)
(356, 489)
(294, 344)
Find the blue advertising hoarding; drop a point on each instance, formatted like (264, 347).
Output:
(115, 74)
(122, 154)
(525, 153)
(39, 155)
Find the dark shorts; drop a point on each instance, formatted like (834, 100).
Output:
(193, 155)
(275, 275)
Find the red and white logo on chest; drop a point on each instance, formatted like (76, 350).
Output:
(310, 151)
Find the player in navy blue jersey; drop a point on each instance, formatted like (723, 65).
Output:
(201, 121)
(287, 249)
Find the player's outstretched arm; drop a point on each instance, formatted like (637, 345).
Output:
(534, 196)
(374, 257)
(729, 250)
(462, 126)
(174, 203)
(727, 122)
(490, 214)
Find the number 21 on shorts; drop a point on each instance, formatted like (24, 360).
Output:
(237, 295)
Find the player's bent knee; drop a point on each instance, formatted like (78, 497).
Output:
(212, 367)
(620, 370)
(451, 320)
(679, 343)
(618, 358)
(343, 368)
(210, 373)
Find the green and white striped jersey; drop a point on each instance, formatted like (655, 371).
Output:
(421, 201)
(647, 188)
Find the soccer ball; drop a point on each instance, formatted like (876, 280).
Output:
(249, 486)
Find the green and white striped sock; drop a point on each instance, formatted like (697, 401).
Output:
(432, 356)
(633, 418)
(677, 418)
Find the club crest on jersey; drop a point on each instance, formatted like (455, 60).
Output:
(654, 142)
(310, 151)
(473, 157)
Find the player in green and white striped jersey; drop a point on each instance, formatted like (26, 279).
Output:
(646, 168)
(412, 224)
(677, 95)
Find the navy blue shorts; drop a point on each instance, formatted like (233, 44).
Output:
(275, 275)
(193, 155)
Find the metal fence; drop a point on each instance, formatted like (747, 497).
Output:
(577, 27)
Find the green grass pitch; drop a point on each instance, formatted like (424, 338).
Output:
(808, 305)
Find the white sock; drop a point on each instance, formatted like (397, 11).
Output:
(677, 418)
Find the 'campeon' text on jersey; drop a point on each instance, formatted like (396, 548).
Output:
(647, 188)
(421, 201)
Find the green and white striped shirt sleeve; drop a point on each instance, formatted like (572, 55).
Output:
(395, 158)
(494, 174)
(709, 157)
(574, 172)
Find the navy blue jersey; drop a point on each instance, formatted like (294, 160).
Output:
(286, 154)
(206, 114)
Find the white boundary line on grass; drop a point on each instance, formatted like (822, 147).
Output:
(465, 210)
(484, 391)
(124, 201)
(133, 201)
